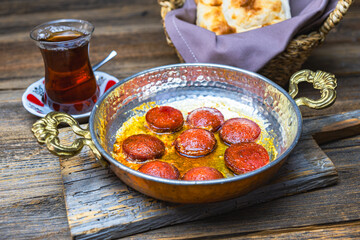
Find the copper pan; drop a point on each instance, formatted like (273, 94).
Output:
(266, 100)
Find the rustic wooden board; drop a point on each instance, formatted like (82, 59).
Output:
(99, 205)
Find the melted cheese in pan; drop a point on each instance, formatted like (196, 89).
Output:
(235, 16)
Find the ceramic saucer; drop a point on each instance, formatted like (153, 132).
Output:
(33, 102)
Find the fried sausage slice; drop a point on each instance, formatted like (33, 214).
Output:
(195, 142)
(160, 169)
(164, 119)
(207, 118)
(202, 174)
(238, 130)
(245, 157)
(143, 147)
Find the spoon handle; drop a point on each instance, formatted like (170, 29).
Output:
(105, 60)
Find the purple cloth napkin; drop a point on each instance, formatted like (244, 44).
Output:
(249, 50)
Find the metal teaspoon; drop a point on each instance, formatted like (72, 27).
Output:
(105, 60)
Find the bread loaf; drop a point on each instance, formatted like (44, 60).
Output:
(235, 16)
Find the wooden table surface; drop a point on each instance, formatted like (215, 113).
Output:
(32, 203)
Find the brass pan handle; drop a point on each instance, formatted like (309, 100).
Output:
(325, 82)
(46, 132)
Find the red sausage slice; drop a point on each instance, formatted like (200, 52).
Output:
(245, 157)
(164, 119)
(143, 147)
(202, 174)
(160, 169)
(207, 118)
(195, 142)
(237, 130)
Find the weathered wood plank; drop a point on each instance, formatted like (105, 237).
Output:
(335, 127)
(31, 191)
(349, 230)
(341, 60)
(12, 7)
(345, 231)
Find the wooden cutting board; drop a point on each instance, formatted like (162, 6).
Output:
(100, 206)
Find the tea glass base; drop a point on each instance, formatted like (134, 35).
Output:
(73, 108)
(33, 97)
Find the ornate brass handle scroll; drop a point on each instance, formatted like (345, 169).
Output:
(46, 132)
(325, 82)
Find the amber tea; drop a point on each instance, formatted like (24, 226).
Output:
(70, 84)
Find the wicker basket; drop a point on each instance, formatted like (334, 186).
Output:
(280, 68)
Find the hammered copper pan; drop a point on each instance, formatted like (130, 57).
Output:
(264, 100)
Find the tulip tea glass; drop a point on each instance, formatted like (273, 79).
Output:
(70, 84)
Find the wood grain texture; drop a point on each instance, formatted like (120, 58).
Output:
(31, 190)
(32, 203)
(100, 206)
(349, 230)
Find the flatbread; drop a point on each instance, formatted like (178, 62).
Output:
(212, 18)
(235, 16)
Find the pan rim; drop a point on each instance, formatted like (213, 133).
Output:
(209, 182)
